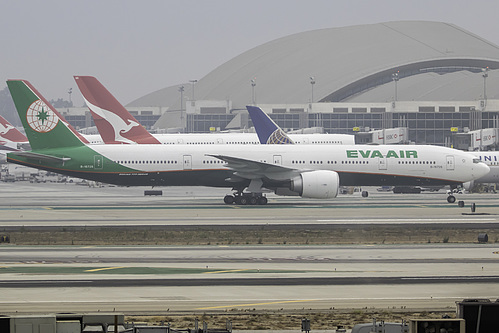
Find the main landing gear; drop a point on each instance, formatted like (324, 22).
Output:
(245, 199)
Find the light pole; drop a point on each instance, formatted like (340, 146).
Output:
(70, 91)
(395, 78)
(181, 89)
(193, 82)
(312, 82)
(485, 74)
(253, 85)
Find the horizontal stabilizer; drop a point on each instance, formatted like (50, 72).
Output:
(43, 157)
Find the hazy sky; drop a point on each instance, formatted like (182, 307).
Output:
(136, 47)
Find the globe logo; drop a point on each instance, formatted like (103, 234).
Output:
(40, 118)
(278, 137)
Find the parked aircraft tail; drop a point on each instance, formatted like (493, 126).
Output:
(10, 133)
(267, 130)
(114, 122)
(44, 126)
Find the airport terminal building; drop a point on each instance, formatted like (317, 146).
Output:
(437, 81)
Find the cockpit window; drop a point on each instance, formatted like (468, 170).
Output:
(476, 160)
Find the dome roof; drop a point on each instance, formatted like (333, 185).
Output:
(349, 64)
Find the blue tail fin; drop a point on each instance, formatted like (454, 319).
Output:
(267, 130)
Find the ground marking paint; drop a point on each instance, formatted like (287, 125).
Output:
(228, 271)
(254, 304)
(102, 269)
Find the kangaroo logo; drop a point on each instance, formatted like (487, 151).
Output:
(119, 125)
(5, 128)
(40, 118)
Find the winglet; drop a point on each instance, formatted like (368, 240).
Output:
(114, 122)
(267, 130)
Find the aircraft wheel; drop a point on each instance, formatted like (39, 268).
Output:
(242, 201)
(229, 199)
(451, 199)
(365, 194)
(262, 200)
(253, 200)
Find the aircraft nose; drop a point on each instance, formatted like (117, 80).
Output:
(481, 170)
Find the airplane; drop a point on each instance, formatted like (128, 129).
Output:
(270, 133)
(316, 171)
(11, 139)
(491, 158)
(117, 125)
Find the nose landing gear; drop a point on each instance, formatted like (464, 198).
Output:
(451, 198)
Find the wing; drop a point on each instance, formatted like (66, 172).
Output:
(251, 169)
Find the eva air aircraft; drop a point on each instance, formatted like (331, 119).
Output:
(312, 171)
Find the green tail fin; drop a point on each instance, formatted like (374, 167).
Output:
(44, 126)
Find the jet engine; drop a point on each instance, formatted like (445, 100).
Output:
(469, 185)
(320, 184)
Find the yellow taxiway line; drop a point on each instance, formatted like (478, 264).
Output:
(255, 304)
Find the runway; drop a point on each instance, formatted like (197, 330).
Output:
(70, 205)
(162, 278)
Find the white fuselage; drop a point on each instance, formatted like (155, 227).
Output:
(239, 138)
(357, 164)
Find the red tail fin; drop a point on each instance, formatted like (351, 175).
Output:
(114, 122)
(10, 133)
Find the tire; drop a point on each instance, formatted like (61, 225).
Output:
(451, 199)
(253, 200)
(229, 199)
(365, 194)
(262, 200)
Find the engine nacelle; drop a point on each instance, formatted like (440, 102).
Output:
(320, 184)
(469, 185)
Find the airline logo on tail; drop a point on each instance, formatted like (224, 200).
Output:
(267, 130)
(40, 118)
(9, 133)
(114, 122)
(279, 137)
(120, 125)
(5, 128)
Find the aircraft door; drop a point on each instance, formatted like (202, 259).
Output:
(450, 162)
(98, 162)
(277, 159)
(187, 161)
(220, 141)
(382, 163)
